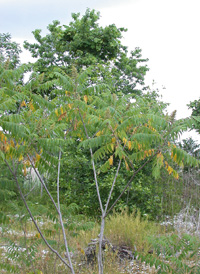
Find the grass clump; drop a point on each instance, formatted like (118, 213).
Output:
(131, 230)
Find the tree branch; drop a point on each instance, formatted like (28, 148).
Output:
(131, 179)
(93, 165)
(33, 219)
(60, 215)
(42, 182)
(112, 187)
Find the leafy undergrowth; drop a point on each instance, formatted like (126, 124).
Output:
(155, 251)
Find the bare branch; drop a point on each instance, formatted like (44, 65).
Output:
(42, 182)
(93, 165)
(113, 184)
(33, 219)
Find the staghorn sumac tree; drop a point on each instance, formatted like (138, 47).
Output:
(110, 126)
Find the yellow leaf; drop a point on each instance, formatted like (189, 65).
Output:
(126, 164)
(113, 140)
(31, 106)
(85, 98)
(98, 133)
(23, 104)
(175, 157)
(70, 106)
(12, 143)
(56, 112)
(37, 235)
(110, 160)
(61, 109)
(129, 145)
(124, 140)
(21, 157)
(169, 144)
(67, 92)
(170, 169)
(2, 136)
(175, 174)
(37, 157)
(112, 146)
(7, 147)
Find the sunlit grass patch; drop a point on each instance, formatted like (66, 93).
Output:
(131, 230)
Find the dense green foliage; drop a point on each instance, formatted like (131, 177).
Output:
(84, 43)
(76, 178)
(195, 106)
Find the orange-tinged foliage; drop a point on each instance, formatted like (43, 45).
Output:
(3, 137)
(30, 105)
(67, 93)
(37, 157)
(6, 147)
(21, 157)
(63, 115)
(111, 160)
(124, 140)
(12, 143)
(129, 145)
(23, 104)
(99, 133)
(127, 166)
(85, 98)
(56, 112)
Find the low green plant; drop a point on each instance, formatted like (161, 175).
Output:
(173, 254)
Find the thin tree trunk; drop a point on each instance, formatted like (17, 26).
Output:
(60, 216)
(100, 257)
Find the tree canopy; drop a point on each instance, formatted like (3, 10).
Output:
(84, 43)
(9, 51)
(195, 106)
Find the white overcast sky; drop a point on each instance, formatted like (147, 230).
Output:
(167, 31)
